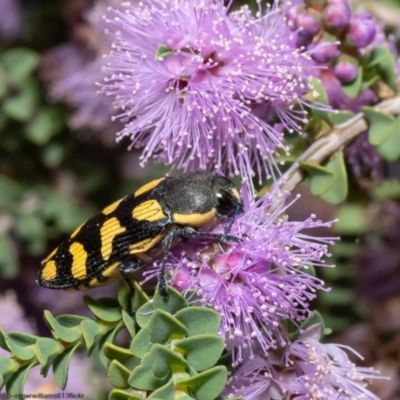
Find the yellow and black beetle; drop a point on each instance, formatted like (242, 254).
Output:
(129, 232)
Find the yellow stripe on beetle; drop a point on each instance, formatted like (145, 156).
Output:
(79, 256)
(109, 209)
(196, 220)
(150, 211)
(148, 186)
(108, 231)
(49, 271)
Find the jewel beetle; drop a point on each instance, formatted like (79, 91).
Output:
(132, 231)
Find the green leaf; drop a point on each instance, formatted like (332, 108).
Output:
(3, 340)
(352, 220)
(199, 320)
(114, 352)
(381, 58)
(208, 384)
(165, 392)
(9, 266)
(381, 125)
(20, 63)
(144, 313)
(162, 52)
(166, 361)
(117, 394)
(368, 83)
(46, 351)
(108, 338)
(129, 323)
(139, 297)
(171, 303)
(340, 117)
(314, 322)
(22, 345)
(92, 332)
(143, 378)
(321, 178)
(106, 308)
(163, 325)
(118, 375)
(61, 365)
(160, 329)
(390, 148)
(319, 94)
(353, 89)
(201, 351)
(8, 367)
(388, 189)
(141, 343)
(21, 106)
(15, 385)
(65, 327)
(45, 124)
(338, 192)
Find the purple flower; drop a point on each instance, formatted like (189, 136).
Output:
(362, 30)
(10, 20)
(257, 283)
(72, 70)
(200, 88)
(304, 370)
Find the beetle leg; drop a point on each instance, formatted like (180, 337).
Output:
(187, 231)
(225, 236)
(125, 268)
(167, 241)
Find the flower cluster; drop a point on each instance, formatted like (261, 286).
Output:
(337, 39)
(199, 87)
(304, 370)
(330, 30)
(259, 282)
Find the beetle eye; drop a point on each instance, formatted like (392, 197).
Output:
(225, 205)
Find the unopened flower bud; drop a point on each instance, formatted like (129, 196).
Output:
(345, 72)
(323, 52)
(362, 30)
(310, 26)
(337, 14)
